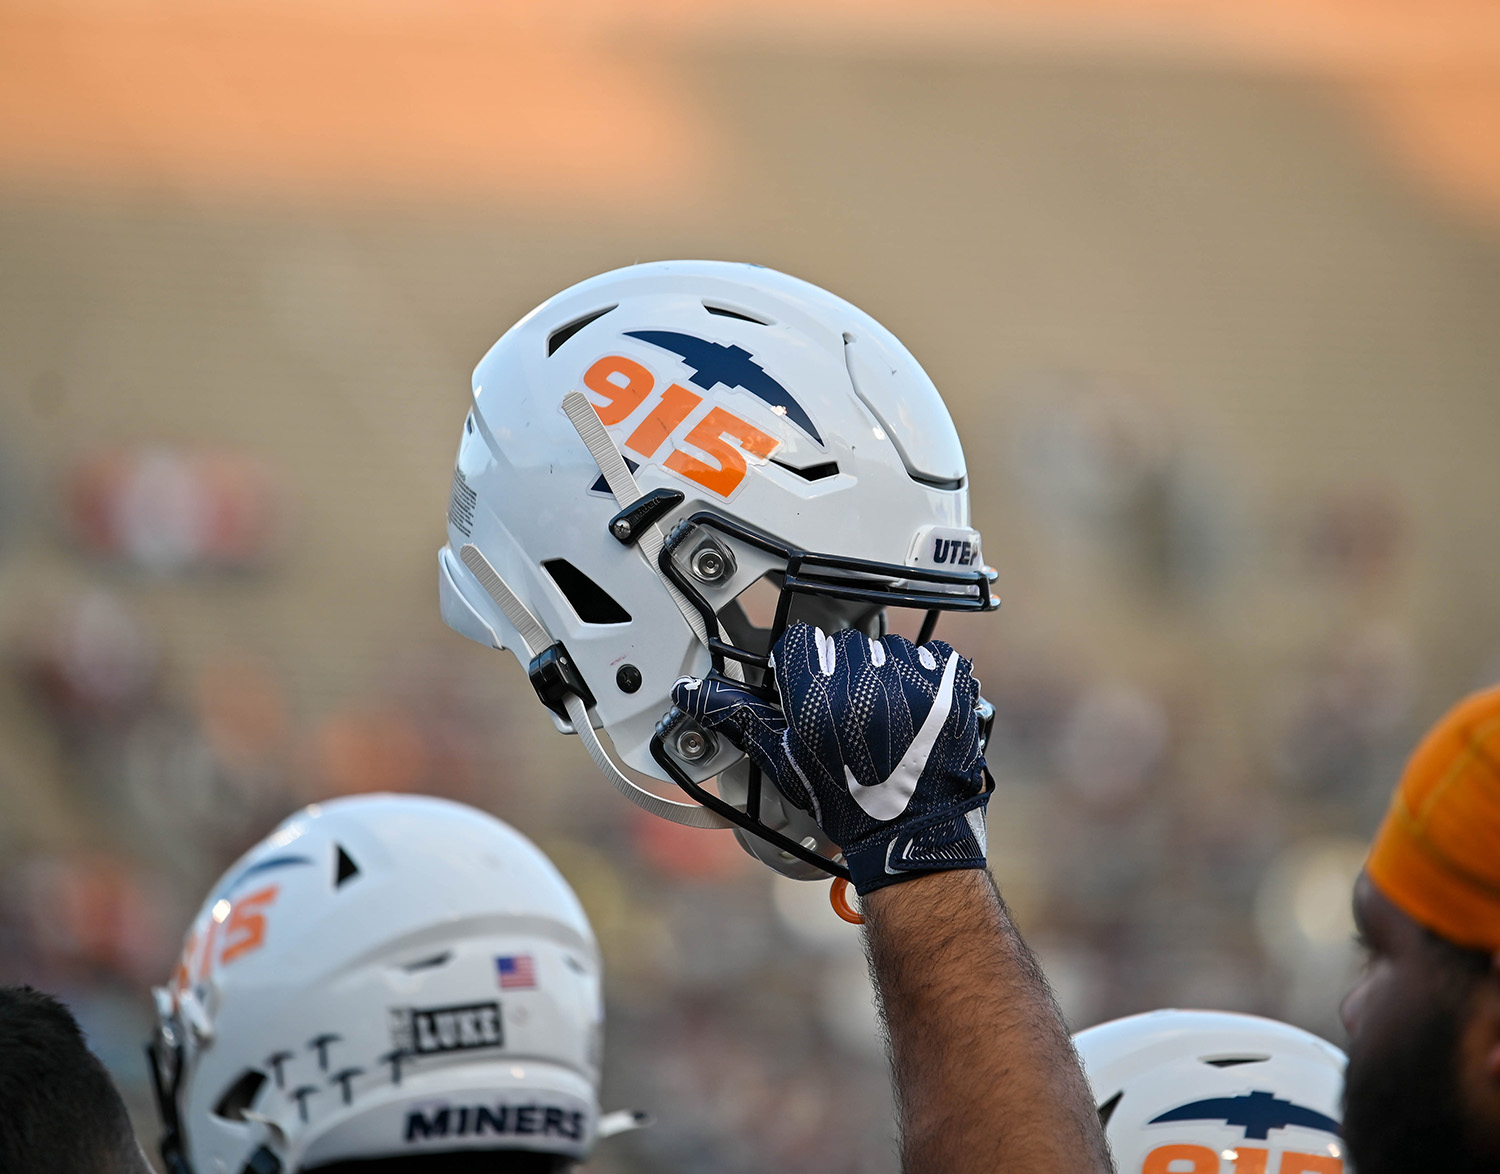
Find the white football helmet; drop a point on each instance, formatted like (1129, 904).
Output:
(1200, 1092)
(381, 976)
(647, 446)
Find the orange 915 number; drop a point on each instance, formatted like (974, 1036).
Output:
(624, 385)
(241, 931)
(1199, 1159)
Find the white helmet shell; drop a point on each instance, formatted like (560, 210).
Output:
(382, 975)
(773, 408)
(1200, 1092)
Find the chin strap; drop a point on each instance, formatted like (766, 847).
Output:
(535, 638)
(622, 1121)
(688, 814)
(527, 626)
(627, 492)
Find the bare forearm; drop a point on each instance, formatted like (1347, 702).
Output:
(986, 1076)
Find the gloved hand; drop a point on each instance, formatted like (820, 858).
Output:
(877, 739)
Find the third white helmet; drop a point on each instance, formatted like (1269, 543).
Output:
(1211, 1092)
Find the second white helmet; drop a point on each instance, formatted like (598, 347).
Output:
(381, 976)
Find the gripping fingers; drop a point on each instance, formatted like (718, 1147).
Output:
(753, 725)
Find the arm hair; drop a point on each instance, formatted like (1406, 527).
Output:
(986, 1076)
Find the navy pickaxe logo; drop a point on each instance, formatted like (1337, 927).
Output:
(1257, 1113)
(733, 366)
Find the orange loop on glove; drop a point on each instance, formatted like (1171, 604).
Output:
(838, 897)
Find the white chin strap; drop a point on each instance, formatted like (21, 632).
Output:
(535, 637)
(622, 484)
(622, 1121)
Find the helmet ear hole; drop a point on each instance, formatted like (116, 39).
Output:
(240, 1095)
(589, 601)
(1107, 1109)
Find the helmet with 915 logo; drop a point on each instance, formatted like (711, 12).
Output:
(650, 449)
(388, 979)
(1197, 1092)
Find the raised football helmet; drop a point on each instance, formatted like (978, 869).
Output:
(1197, 1092)
(649, 445)
(381, 976)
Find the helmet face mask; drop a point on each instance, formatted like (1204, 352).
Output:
(778, 432)
(165, 1059)
(825, 591)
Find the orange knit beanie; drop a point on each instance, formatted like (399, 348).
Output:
(1437, 855)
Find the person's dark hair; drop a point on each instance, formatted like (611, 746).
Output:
(454, 1162)
(59, 1111)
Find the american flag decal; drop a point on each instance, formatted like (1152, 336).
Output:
(517, 972)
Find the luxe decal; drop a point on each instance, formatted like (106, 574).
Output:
(424, 1031)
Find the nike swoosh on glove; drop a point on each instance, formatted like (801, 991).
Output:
(877, 739)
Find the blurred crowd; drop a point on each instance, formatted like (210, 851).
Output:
(1225, 380)
(1181, 834)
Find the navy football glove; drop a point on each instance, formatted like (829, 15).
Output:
(877, 739)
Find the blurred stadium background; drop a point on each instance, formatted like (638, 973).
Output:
(1211, 290)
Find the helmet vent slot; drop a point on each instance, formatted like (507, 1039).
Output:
(563, 333)
(937, 482)
(240, 1095)
(589, 601)
(344, 868)
(429, 963)
(726, 312)
(817, 472)
(891, 434)
(1107, 1109)
(1233, 1061)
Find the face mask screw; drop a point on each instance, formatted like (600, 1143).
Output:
(628, 678)
(710, 563)
(692, 744)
